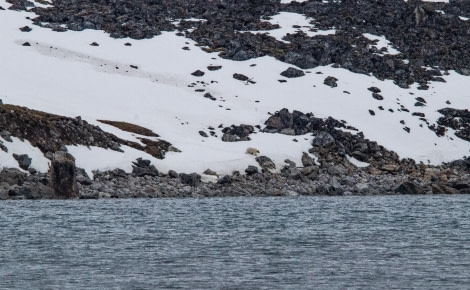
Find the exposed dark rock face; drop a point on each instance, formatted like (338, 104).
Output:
(64, 176)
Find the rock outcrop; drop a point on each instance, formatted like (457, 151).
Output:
(64, 176)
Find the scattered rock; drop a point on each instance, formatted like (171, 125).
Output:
(374, 90)
(214, 67)
(198, 73)
(331, 81)
(377, 96)
(292, 73)
(209, 96)
(26, 29)
(208, 171)
(240, 77)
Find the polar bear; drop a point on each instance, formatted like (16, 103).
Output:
(252, 151)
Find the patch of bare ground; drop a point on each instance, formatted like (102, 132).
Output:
(51, 133)
(129, 127)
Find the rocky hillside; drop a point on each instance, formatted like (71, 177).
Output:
(312, 97)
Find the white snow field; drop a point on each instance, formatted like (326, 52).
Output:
(61, 73)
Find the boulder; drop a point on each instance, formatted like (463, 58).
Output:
(307, 160)
(226, 179)
(441, 188)
(63, 175)
(250, 170)
(409, 188)
(292, 73)
(330, 81)
(24, 161)
(192, 179)
(266, 163)
(142, 167)
(12, 176)
(323, 139)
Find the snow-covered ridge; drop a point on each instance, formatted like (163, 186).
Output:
(150, 83)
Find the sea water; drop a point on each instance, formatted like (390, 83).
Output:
(385, 242)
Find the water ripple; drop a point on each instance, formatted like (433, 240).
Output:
(231, 243)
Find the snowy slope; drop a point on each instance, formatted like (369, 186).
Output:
(62, 73)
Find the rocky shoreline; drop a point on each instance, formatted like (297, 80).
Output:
(453, 178)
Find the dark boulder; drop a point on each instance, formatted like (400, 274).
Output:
(266, 163)
(240, 77)
(292, 73)
(198, 73)
(12, 176)
(192, 179)
(24, 161)
(441, 188)
(409, 188)
(323, 139)
(225, 180)
(250, 170)
(141, 167)
(64, 175)
(331, 81)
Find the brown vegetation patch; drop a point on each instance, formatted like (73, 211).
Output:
(129, 127)
(51, 133)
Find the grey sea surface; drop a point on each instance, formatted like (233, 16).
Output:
(385, 242)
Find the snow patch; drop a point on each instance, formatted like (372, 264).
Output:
(382, 42)
(291, 23)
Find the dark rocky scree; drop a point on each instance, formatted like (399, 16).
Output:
(51, 133)
(459, 120)
(424, 36)
(331, 144)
